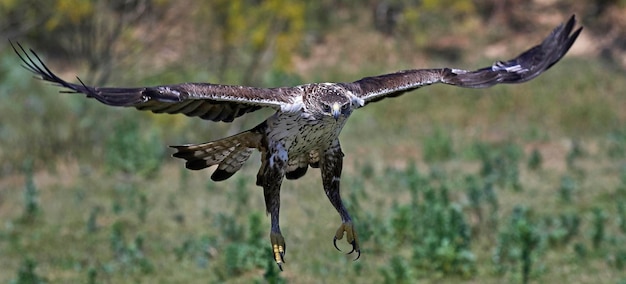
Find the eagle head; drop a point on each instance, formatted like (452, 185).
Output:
(328, 100)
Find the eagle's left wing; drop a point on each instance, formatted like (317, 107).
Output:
(526, 66)
(207, 101)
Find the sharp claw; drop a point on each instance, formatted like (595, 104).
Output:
(353, 243)
(280, 261)
(347, 228)
(335, 243)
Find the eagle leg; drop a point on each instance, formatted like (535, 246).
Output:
(273, 172)
(331, 166)
(272, 203)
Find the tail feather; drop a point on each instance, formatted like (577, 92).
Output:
(229, 154)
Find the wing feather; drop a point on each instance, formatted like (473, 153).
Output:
(524, 67)
(208, 101)
(190, 107)
(202, 110)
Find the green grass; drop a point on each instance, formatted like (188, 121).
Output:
(201, 233)
(439, 181)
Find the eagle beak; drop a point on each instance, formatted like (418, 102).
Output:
(336, 112)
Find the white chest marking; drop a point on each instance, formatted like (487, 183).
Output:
(298, 135)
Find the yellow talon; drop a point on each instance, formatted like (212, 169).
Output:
(278, 248)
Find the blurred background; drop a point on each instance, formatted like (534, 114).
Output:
(518, 183)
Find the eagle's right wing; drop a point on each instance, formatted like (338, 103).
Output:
(207, 101)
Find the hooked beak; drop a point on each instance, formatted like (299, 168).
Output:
(336, 111)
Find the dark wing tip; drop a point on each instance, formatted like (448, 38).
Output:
(109, 96)
(196, 164)
(563, 38)
(183, 152)
(220, 175)
(528, 65)
(33, 63)
(37, 66)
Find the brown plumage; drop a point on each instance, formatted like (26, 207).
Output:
(304, 130)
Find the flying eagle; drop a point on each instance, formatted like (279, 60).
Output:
(304, 130)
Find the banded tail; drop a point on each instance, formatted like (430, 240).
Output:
(229, 153)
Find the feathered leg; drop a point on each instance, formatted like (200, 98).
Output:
(331, 165)
(270, 178)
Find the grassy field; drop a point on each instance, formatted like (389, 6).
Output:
(509, 184)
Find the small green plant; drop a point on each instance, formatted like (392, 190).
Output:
(481, 196)
(567, 188)
(571, 223)
(201, 250)
(92, 221)
(229, 227)
(116, 239)
(500, 163)
(413, 180)
(241, 195)
(367, 170)
(27, 274)
(247, 251)
(129, 197)
(438, 146)
(272, 273)
(621, 188)
(517, 244)
(398, 271)
(31, 195)
(130, 150)
(559, 230)
(184, 179)
(598, 233)
(365, 222)
(619, 259)
(576, 152)
(434, 226)
(142, 210)
(474, 195)
(137, 256)
(616, 148)
(92, 275)
(129, 256)
(581, 250)
(492, 199)
(621, 216)
(535, 160)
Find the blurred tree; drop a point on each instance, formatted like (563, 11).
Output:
(89, 30)
(251, 35)
(432, 25)
(414, 15)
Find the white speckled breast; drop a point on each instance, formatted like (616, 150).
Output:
(300, 135)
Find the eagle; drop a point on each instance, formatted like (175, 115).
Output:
(303, 132)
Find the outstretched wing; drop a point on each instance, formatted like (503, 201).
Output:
(207, 101)
(524, 67)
